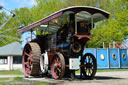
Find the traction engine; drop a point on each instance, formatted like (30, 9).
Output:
(58, 51)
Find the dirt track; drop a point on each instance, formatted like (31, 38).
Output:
(101, 78)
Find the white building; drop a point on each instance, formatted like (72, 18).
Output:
(10, 56)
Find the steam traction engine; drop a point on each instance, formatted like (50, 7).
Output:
(60, 41)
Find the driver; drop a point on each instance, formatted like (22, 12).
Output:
(82, 28)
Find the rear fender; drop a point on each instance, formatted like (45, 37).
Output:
(83, 38)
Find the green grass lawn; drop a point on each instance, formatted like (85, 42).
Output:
(19, 81)
(107, 70)
(40, 83)
(18, 72)
(3, 79)
(12, 72)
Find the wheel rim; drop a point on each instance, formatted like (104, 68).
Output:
(58, 66)
(88, 66)
(27, 60)
(30, 59)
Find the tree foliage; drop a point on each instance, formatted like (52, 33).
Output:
(113, 29)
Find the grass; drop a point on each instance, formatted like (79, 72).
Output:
(19, 81)
(12, 72)
(41, 83)
(107, 70)
(4, 79)
(3, 83)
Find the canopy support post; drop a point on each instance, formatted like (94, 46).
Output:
(48, 27)
(75, 24)
(91, 22)
(31, 34)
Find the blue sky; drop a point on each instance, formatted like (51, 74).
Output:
(12, 4)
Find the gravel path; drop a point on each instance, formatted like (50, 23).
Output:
(101, 78)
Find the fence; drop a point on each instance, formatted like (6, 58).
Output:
(115, 44)
(109, 58)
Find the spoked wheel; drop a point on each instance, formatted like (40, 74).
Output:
(30, 59)
(88, 66)
(58, 66)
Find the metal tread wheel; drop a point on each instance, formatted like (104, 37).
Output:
(88, 66)
(31, 59)
(58, 66)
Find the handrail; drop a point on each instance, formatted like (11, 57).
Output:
(115, 45)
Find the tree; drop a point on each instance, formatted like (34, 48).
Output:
(113, 29)
(8, 33)
(45, 8)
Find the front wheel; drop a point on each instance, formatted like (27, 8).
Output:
(58, 66)
(88, 66)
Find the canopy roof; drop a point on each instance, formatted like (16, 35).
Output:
(13, 49)
(85, 13)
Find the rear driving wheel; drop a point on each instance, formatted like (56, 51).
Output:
(88, 66)
(30, 59)
(58, 66)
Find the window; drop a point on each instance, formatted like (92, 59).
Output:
(17, 60)
(3, 60)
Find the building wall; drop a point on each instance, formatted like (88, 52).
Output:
(16, 66)
(7, 63)
(4, 67)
